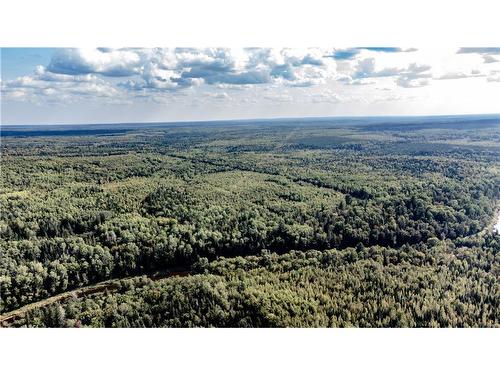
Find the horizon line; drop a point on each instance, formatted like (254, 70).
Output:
(254, 119)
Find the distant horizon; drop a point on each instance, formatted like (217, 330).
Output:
(254, 119)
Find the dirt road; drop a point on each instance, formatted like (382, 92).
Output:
(101, 287)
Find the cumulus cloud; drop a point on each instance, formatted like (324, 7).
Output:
(53, 86)
(223, 74)
(169, 69)
(486, 52)
(488, 59)
(414, 75)
(366, 69)
(461, 75)
(411, 82)
(138, 70)
(494, 77)
(108, 62)
(256, 66)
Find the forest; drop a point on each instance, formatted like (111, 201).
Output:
(349, 222)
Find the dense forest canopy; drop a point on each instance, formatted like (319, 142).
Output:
(307, 222)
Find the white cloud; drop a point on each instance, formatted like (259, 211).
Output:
(135, 72)
(366, 70)
(488, 59)
(108, 62)
(188, 77)
(49, 86)
(169, 69)
(494, 77)
(460, 75)
(407, 81)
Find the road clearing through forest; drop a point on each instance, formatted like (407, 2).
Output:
(101, 287)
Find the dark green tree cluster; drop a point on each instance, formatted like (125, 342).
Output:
(429, 285)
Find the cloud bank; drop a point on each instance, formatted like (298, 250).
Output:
(163, 74)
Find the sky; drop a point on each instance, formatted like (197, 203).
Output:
(105, 85)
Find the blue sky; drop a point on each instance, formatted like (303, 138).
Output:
(17, 62)
(47, 85)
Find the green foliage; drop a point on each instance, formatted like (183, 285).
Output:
(422, 286)
(77, 210)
